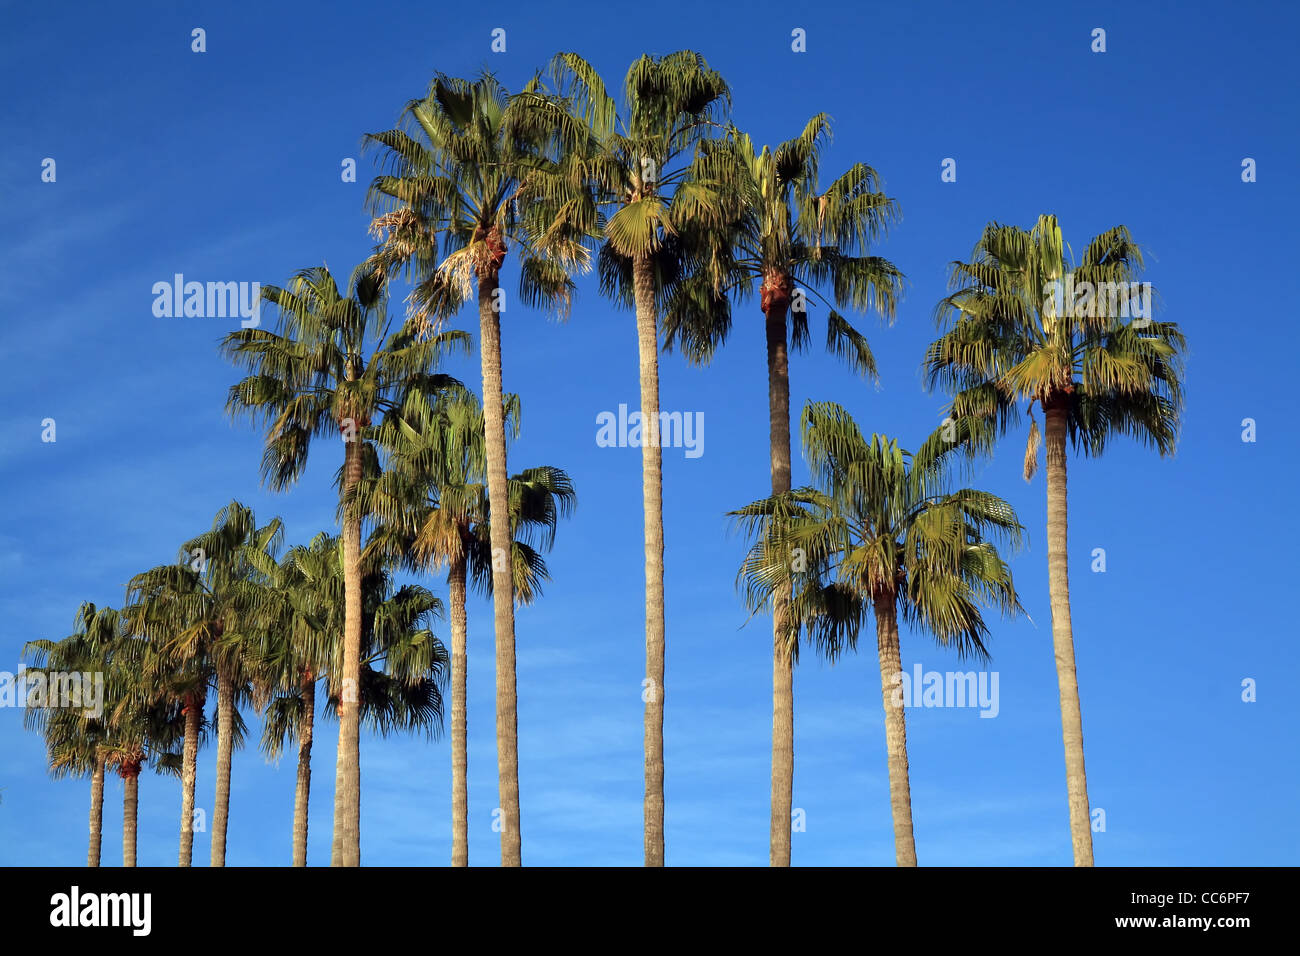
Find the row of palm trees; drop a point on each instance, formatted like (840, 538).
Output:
(683, 216)
(234, 618)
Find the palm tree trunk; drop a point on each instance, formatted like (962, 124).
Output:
(130, 810)
(347, 784)
(459, 757)
(778, 401)
(189, 772)
(900, 789)
(302, 792)
(96, 811)
(225, 747)
(652, 497)
(1058, 582)
(503, 602)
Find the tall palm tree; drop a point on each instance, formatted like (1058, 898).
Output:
(303, 620)
(1010, 336)
(230, 585)
(331, 367)
(435, 511)
(403, 664)
(465, 180)
(880, 533)
(636, 165)
(131, 728)
(163, 604)
(147, 727)
(76, 743)
(197, 615)
(791, 239)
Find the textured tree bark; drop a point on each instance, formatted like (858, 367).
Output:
(459, 757)
(130, 810)
(503, 603)
(225, 748)
(1058, 580)
(900, 788)
(778, 395)
(96, 811)
(302, 791)
(647, 334)
(189, 772)
(347, 784)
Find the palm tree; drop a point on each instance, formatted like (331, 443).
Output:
(231, 586)
(76, 743)
(130, 729)
(146, 727)
(303, 620)
(636, 165)
(197, 615)
(163, 604)
(789, 238)
(436, 512)
(403, 664)
(1011, 336)
(880, 533)
(331, 368)
(467, 177)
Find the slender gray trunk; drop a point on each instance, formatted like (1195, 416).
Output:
(189, 773)
(302, 791)
(96, 811)
(130, 810)
(652, 499)
(225, 750)
(459, 756)
(778, 394)
(347, 783)
(900, 788)
(1058, 582)
(503, 601)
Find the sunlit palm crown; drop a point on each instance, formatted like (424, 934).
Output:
(206, 612)
(470, 174)
(1005, 342)
(625, 173)
(783, 233)
(879, 525)
(331, 366)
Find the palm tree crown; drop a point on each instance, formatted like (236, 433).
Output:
(1009, 339)
(791, 238)
(878, 526)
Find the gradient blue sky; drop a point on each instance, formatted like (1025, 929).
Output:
(225, 166)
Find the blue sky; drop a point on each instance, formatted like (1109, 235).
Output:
(225, 166)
